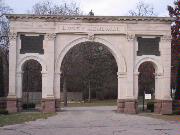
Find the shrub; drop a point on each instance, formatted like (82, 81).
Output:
(150, 106)
(29, 105)
(4, 111)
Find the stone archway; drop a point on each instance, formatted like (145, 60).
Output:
(118, 56)
(31, 84)
(159, 71)
(161, 105)
(120, 60)
(19, 77)
(146, 85)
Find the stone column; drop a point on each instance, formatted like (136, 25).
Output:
(124, 105)
(48, 100)
(12, 99)
(163, 101)
(136, 85)
(19, 90)
(122, 78)
(130, 103)
(57, 79)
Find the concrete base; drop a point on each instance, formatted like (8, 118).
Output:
(128, 106)
(12, 105)
(48, 105)
(58, 104)
(163, 106)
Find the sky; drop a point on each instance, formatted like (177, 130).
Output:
(99, 7)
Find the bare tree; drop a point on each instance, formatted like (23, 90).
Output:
(142, 9)
(48, 8)
(4, 43)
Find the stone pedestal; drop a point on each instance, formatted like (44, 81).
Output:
(12, 105)
(176, 106)
(127, 106)
(163, 107)
(120, 105)
(130, 107)
(58, 104)
(48, 105)
(19, 104)
(2, 103)
(157, 106)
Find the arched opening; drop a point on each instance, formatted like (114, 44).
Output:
(31, 85)
(146, 83)
(89, 74)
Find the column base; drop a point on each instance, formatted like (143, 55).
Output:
(3, 103)
(12, 105)
(48, 105)
(58, 104)
(19, 104)
(176, 106)
(128, 106)
(163, 106)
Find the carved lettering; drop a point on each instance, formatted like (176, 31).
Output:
(88, 28)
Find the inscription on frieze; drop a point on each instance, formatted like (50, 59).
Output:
(92, 28)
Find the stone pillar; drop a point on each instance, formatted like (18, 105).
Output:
(136, 85)
(124, 105)
(48, 100)
(19, 90)
(12, 99)
(57, 79)
(163, 101)
(130, 103)
(122, 78)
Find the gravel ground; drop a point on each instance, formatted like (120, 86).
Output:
(94, 121)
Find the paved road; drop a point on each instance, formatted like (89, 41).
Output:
(94, 121)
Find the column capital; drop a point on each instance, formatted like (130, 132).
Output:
(136, 73)
(19, 74)
(158, 75)
(12, 35)
(166, 38)
(44, 74)
(58, 73)
(121, 74)
(50, 36)
(130, 37)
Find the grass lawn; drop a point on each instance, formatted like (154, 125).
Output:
(22, 117)
(162, 117)
(92, 103)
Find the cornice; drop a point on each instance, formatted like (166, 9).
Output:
(51, 18)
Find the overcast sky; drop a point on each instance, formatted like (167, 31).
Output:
(99, 7)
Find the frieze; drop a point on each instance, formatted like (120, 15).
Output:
(93, 28)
